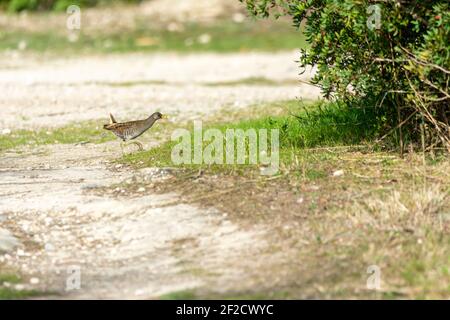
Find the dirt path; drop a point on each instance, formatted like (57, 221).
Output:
(126, 246)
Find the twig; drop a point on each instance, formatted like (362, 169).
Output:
(424, 63)
(393, 129)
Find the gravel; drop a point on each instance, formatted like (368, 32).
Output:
(126, 247)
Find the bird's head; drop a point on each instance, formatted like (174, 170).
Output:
(158, 115)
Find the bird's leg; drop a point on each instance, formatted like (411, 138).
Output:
(140, 146)
(121, 147)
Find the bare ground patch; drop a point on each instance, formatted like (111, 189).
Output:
(324, 232)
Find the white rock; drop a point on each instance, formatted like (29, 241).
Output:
(238, 17)
(338, 173)
(19, 287)
(34, 280)
(204, 38)
(139, 292)
(6, 131)
(22, 45)
(7, 241)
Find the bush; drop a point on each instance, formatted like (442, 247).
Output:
(400, 67)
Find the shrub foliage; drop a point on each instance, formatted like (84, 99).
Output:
(393, 56)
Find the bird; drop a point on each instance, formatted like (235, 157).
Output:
(132, 129)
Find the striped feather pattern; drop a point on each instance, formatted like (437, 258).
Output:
(131, 129)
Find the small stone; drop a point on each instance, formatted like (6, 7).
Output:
(34, 281)
(300, 200)
(73, 37)
(7, 241)
(19, 287)
(204, 38)
(139, 292)
(175, 27)
(22, 45)
(90, 186)
(6, 131)
(141, 189)
(238, 17)
(338, 173)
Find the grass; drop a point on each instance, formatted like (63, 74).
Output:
(74, 133)
(300, 128)
(179, 295)
(252, 81)
(12, 294)
(382, 210)
(194, 295)
(7, 293)
(220, 36)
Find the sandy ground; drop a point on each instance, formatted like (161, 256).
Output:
(58, 92)
(125, 247)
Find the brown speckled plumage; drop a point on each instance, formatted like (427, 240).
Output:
(132, 129)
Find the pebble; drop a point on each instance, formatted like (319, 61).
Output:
(34, 281)
(19, 287)
(238, 17)
(204, 38)
(139, 292)
(338, 173)
(7, 241)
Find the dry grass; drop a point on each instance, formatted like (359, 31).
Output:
(325, 231)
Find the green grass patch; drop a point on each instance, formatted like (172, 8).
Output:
(192, 295)
(10, 278)
(179, 295)
(11, 294)
(74, 133)
(8, 293)
(221, 36)
(255, 81)
(300, 128)
(252, 81)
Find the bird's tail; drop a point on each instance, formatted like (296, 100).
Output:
(111, 121)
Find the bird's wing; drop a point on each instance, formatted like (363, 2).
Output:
(111, 119)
